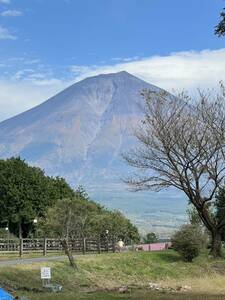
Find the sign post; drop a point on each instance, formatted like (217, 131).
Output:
(46, 275)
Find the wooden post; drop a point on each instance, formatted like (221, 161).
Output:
(114, 244)
(45, 247)
(21, 247)
(84, 245)
(107, 244)
(99, 245)
(8, 244)
(132, 243)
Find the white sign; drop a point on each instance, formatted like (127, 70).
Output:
(45, 273)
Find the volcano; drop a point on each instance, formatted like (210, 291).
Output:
(80, 134)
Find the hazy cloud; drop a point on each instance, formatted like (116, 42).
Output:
(5, 1)
(6, 35)
(11, 13)
(17, 96)
(183, 70)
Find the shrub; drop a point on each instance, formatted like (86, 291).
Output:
(188, 241)
(5, 234)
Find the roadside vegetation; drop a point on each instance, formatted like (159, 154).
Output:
(101, 276)
(59, 211)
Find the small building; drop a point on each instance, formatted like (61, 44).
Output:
(154, 246)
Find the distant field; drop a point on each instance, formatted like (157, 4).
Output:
(100, 276)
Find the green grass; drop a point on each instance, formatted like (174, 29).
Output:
(134, 295)
(100, 276)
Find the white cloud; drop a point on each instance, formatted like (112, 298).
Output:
(11, 13)
(17, 96)
(6, 35)
(183, 70)
(78, 70)
(5, 1)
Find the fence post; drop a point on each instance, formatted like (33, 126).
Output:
(99, 245)
(45, 247)
(132, 244)
(7, 244)
(114, 244)
(21, 247)
(107, 244)
(84, 245)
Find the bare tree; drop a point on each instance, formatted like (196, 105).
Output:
(60, 220)
(182, 145)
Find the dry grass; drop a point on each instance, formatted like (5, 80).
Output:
(107, 272)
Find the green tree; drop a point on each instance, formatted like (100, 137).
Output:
(220, 28)
(60, 188)
(118, 226)
(220, 207)
(25, 194)
(188, 241)
(150, 238)
(79, 217)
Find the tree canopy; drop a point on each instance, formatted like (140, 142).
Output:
(150, 238)
(26, 193)
(220, 28)
(80, 217)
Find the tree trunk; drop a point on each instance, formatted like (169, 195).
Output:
(216, 244)
(216, 247)
(68, 253)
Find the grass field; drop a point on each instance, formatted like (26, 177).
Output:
(100, 276)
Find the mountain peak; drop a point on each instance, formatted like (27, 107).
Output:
(81, 132)
(123, 73)
(115, 75)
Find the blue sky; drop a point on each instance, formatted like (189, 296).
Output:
(46, 45)
(84, 32)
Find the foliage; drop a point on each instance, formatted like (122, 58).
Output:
(193, 216)
(220, 208)
(150, 238)
(5, 234)
(188, 241)
(79, 217)
(220, 28)
(60, 188)
(181, 145)
(220, 204)
(25, 194)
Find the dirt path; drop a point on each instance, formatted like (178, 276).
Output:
(27, 261)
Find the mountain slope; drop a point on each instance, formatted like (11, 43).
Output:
(81, 132)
